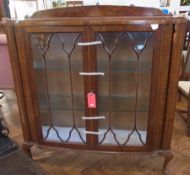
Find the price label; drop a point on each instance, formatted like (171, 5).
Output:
(91, 100)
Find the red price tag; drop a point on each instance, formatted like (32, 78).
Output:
(91, 100)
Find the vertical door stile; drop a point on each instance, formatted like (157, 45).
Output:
(90, 84)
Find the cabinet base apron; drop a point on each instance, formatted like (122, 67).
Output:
(167, 154)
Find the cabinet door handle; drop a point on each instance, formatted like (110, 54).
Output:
(93, 132)
(93, 117)
(91, 73)
(90, 43)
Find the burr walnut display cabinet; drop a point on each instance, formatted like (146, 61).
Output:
(101, 78)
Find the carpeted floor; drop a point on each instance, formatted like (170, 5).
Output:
(17, 163)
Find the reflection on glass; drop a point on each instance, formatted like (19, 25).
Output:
(126, 59)
(57, 61)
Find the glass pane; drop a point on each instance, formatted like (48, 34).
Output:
(57, 61)
(126, 59)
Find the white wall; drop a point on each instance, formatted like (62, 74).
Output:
(20, 9)
(175, 6)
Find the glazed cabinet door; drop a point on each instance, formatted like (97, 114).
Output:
(131, 91)
(56, 87)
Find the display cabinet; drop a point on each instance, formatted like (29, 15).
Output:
(100, 78)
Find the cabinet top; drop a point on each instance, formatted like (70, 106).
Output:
(98, 11)
(100, 15)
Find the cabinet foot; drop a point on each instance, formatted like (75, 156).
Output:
(26, 147)
(168, 158)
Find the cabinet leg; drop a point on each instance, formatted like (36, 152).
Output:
(168, 158)
(27, 149)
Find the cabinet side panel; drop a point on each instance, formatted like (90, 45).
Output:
(21, 39)
(162, 51)
(178, 39)
(13, 51)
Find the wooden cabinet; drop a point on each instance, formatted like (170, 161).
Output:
(100, 78)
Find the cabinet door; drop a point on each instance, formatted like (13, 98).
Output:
(59, 90)
(132, 93)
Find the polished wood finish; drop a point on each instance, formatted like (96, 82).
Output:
(163, 45)
(173, 81)
(96, 11)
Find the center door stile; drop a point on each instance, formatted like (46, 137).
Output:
(90, 84)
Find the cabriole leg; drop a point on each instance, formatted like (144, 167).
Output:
(26, 147)
(168, 158)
